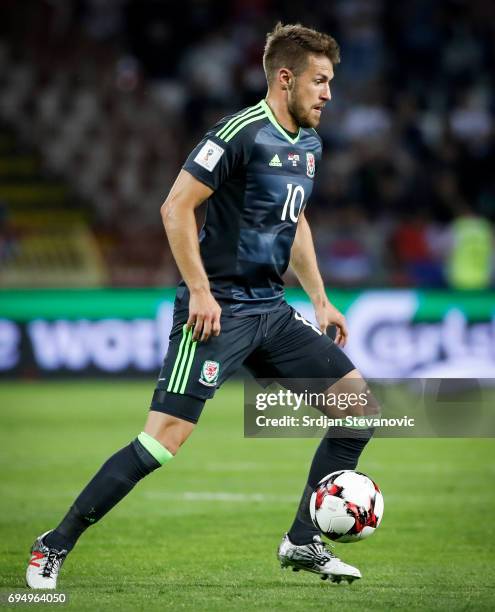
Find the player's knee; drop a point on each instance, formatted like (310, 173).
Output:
(355, 386)
(172, 439)
(373, 407)
(170, 431)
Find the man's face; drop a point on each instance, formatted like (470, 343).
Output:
(310, 91)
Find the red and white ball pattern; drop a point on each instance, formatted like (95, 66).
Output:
(346, 506)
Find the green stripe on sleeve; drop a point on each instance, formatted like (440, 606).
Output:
(154, 448)
(222, 131)
(243, 125)
(254, 111)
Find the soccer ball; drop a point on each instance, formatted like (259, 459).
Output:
(346, 506)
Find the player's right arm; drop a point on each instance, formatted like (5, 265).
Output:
(209, 165)
(179, 220)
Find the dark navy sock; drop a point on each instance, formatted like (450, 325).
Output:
(331, 455)
(112, 482)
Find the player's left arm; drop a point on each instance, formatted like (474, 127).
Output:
(303, 262)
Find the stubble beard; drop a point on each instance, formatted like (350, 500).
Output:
(299, 114)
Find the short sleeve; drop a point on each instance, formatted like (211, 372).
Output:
(214, 160)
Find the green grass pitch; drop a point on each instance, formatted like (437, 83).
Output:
(202, 532)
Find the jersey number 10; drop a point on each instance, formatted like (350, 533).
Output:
(294, 192)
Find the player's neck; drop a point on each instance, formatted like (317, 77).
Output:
(281, 112)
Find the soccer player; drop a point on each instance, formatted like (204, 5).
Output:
(255, 169)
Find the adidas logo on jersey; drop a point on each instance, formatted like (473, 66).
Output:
(275, 161)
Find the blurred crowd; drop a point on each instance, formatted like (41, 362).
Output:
(114, 94)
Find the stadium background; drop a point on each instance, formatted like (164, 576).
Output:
(100, 102)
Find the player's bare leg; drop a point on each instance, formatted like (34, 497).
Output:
(169, 430)
(162, 437)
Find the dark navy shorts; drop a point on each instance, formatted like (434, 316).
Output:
(275, 345)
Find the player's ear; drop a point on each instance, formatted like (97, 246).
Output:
(285, 78)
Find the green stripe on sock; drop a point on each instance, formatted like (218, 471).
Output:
(243, 125)
(178, 358)
(154, 448)
(188, 368)
(222, 131)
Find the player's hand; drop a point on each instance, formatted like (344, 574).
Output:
(326, 315)
(204, 315)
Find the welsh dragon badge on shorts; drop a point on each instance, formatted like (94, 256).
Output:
(209, 373)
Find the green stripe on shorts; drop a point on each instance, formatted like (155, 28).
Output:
(178, 358)
(183, 362)
(188, 367)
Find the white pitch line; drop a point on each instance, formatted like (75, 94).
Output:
(222, 496)
(241, 498)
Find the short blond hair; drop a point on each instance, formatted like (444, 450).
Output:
(288, 46)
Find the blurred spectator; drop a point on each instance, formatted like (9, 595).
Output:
(471, 257)
(114, 94)
(8, 240)
(415, 259)
(349, 253)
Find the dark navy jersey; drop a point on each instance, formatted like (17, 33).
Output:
(262, 179)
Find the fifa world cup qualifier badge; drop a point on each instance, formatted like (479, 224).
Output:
(209, 373)
(209, 155)
(310, 165)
